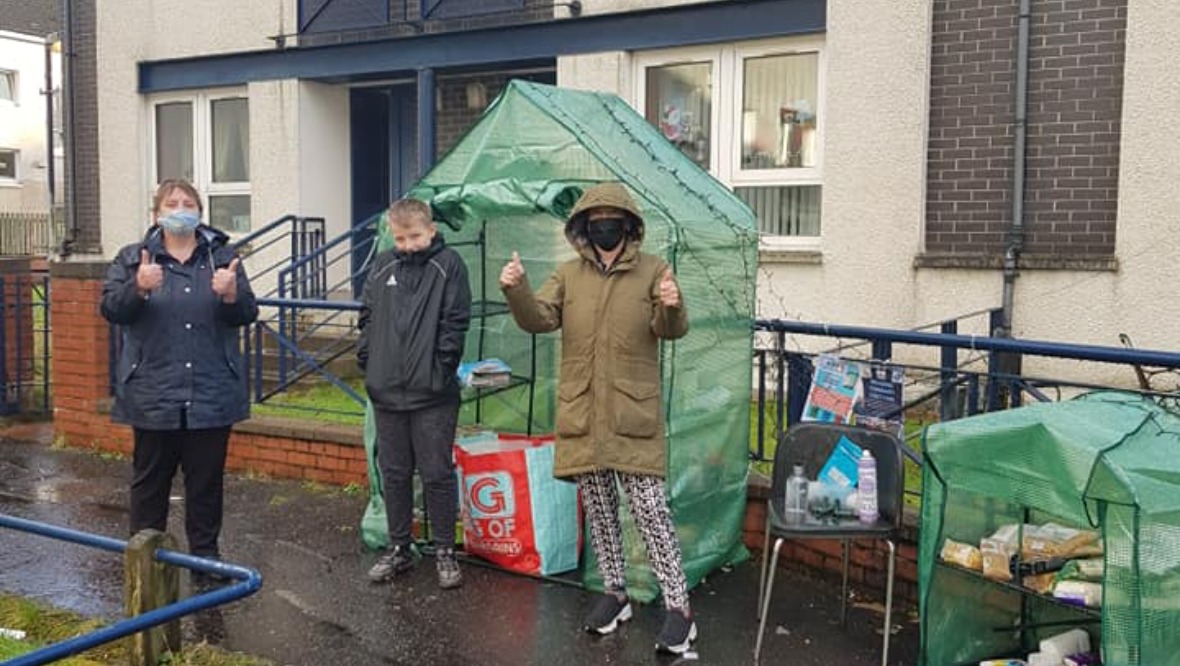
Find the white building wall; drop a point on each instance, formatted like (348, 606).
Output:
(23, 125)
(877, 83)
(132, 31)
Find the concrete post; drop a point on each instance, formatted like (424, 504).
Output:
(149, 585)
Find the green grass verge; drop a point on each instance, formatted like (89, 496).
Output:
(45, 625)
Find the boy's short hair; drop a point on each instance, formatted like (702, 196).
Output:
(403, 211)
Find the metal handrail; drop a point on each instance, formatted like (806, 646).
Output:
(270, 226)
(981, 343)
(250, 581)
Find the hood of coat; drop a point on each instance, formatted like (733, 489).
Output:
(603, 195)
(422, 256)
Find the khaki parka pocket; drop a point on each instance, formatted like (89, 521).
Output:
(574, 406)
(636, 410)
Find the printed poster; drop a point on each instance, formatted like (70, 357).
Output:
(835, 388)
(881, 403)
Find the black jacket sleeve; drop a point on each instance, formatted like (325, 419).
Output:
(121, 302)
(455, 318)
(368, 295)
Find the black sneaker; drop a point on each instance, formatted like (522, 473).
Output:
(677, 634)
(396, 560)
(608, 613)
(449, 576)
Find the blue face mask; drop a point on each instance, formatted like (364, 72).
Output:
(180, 222)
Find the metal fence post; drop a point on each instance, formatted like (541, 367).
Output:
(4, 408)
(149, 585)
(949, 366)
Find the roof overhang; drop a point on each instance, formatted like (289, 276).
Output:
(529, 43)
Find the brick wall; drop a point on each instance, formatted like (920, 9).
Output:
(454, 118)
(1074, 113)
(16, 293)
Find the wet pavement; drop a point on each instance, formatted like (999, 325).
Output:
(316, 607)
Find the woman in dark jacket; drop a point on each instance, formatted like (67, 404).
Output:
(180, 296)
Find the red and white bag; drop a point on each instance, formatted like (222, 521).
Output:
(515, 514)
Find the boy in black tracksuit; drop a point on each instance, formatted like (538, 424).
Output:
(415, 310)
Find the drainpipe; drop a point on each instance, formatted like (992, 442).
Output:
(51, 172)
(68, 126)
(1016, 233)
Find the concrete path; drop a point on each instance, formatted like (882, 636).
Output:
(316, 608)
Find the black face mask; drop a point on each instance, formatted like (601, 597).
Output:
(606, 233)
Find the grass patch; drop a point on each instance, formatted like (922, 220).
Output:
(318, 401)
(45, 625)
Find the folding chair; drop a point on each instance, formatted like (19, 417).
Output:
(810, 444)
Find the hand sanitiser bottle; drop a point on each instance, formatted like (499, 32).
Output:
(795, 509)
(866, 485)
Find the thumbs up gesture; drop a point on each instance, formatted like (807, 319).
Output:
(148, 276)
(225, 282)
(669, 292)
(513, 273)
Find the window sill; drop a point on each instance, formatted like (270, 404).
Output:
(782, 255)
(1028, 262)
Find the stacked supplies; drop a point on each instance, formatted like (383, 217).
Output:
(488, 373)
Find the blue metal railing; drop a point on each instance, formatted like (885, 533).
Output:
(1004, 386)
(295, 298)
(249, 582)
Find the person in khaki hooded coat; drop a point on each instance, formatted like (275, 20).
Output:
(613, 304)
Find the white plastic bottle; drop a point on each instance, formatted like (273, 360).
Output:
(866, 486)
(795, 506)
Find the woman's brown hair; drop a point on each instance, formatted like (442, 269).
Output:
(181, 184)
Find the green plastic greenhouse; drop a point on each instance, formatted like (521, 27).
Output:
(1105, 461)
(508, 186)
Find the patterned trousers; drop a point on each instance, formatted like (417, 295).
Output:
(648, 504)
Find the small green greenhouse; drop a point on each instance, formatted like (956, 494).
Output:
(507, 186)
(1106, 461)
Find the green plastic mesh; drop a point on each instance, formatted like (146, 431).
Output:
(507, 186)
(1110, 461)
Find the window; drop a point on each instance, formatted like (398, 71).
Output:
(752, 115)
(7, 85)
(8, 160)
(205, 138)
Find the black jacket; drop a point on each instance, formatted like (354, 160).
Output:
(180, 344)
(415, 311)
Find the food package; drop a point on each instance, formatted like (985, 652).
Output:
(1053, 540)
(1041, 583)
(1079, 593)
(961, 554)
(1088, 569)
(995, 561)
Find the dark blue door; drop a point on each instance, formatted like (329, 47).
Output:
(384, 132)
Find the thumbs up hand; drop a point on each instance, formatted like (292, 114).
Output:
(513, 272)
(148, 276)
(669, 292)
(225, 282)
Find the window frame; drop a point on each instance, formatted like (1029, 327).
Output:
(14, 77)
(14, 179)
(202, 147)
(725, 140)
